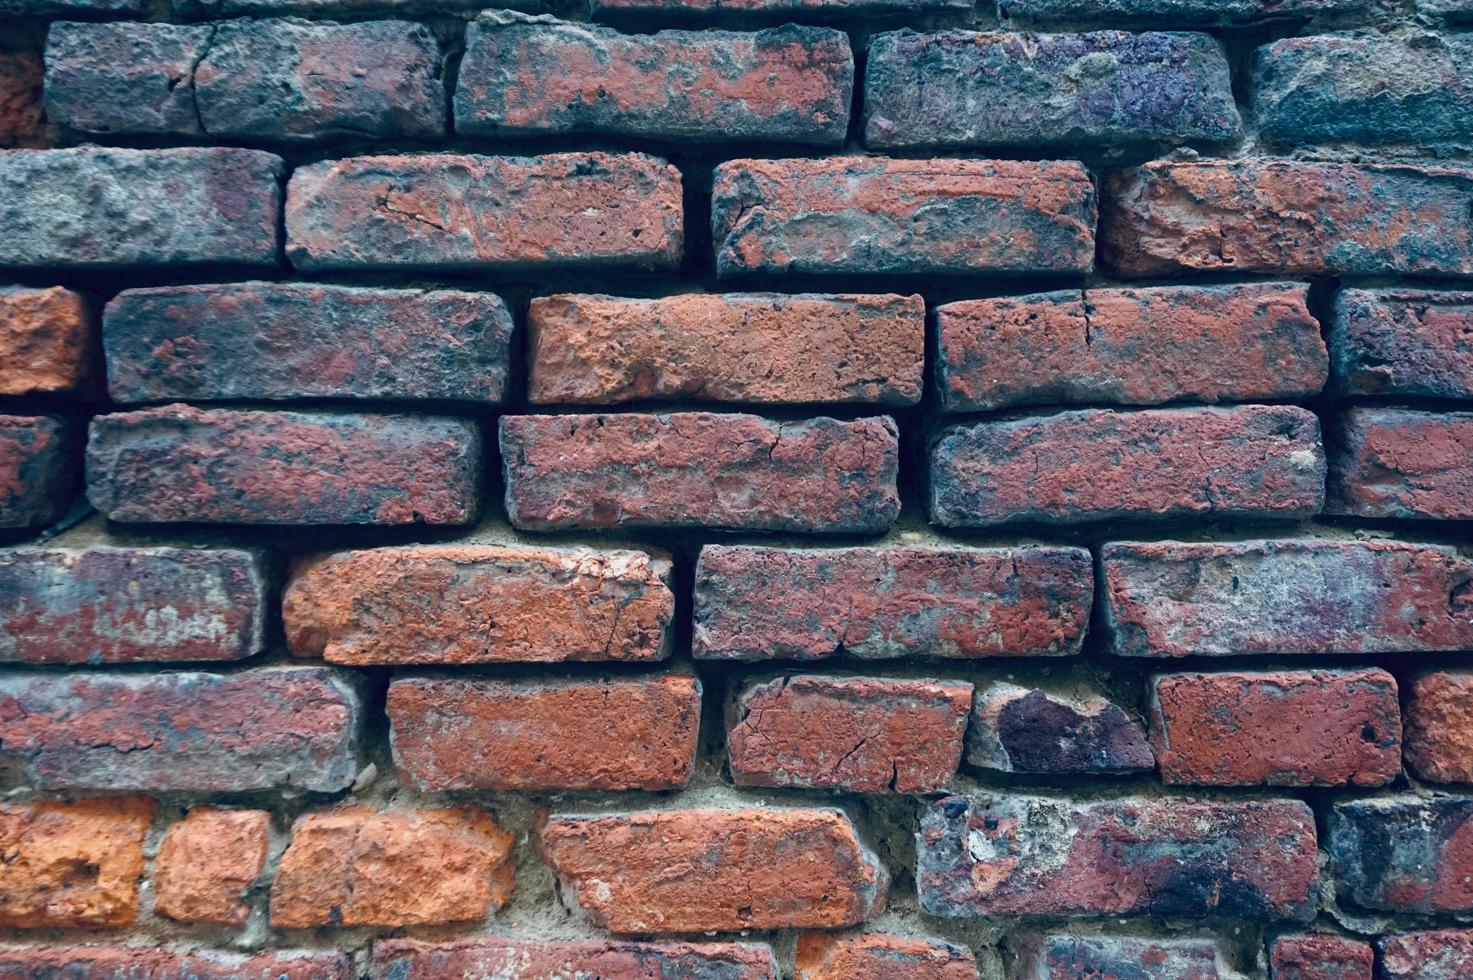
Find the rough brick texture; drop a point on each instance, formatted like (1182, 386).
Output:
(1442, 954)
(580, 210)
(105, 604)
(132, 962)
(38, 468)
(1066, 957)
(739, 347)
(272, 727)
(1215, 12)
(207, 863)
(1130, 346)
(758, 603)
(583, 734)
(1302, 728)
(407, 959)
(522, 76)
(698, 468)
(761, 869)
(864, 216)
(226, 466)
(479, 604)
(46, 342)
(1320, 957)
(284, 341)
(100, 208)
(1288, 217)
(1094, 465)
(683, 9)
(1403, 343)
(843, 956)
(22, 118)
(1439, 726)
(353, 866)
(961, 88)
(1403, 853)
(1177, 599)
(1030, 730)
(1388, 462)
(862, 734)
(1022, 855)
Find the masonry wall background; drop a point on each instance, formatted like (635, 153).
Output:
(769, 488)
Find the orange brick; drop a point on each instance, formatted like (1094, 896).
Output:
(207, 864)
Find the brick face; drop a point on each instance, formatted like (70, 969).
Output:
(408, 959)
(1389, 462)
(1412, 343)
(38, 468)
(46, 342)
(207, 863)
(1403, 853)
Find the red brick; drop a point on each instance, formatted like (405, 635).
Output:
(22, 122)
(1288, 218)
(280, 341)
(1030, 730)
(467, 604)
(524, 76)
(1096, 465)
(208, 863)
(874, 956)
(125, 77)
(46, 341)
(870, 215)
(72, 865)
(154, 963)
(1069, 957)
(265, 728)
(1442, 954)
(1286, 596)
(178, 463)
(492, 956)
(1282, 728)
(700, 469)
(1397, 463)
(1320, 957)
(1439, 726)
(1408, 853)
(353, 866)
(759, 868)
(738, 347)
(103, 604)
(862, 734)
(38, 469)
(1026, 855)
(1130, 346)
(608, 734)
(759, 603)
(800, 9)
(448, 212)
(1411, 342)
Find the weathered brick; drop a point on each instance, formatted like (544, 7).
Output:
(22, 119)
(1279, 728)
(1065, 957)
(1365, 89)
(354, 866)
(94, 207)
(491, 956)
(179, 463)
(1171, 13)
(738, 347)
(1021, 729)
(467, 604)
(527, 76)
(267, 728)
(1288, 218)
(37, 8)
(1130, 346)
(125, 77)
(71, 864)
(155, 963)
(208, 863)
(760, 868)
(872, 955)
(1417, 343)
(305, 340)
(1441, 954)
(1404, 853)
(1286, 596)
(38, 468)
(46, 342)
(103, 604)
(700, 469)
(1389, 462)
(861, 734)
(869, 215)
(1321, 956)
(759, 603)
(610, 733)
(349, 9)
(448, 212)
(800, 9)
(1439, 726)
(1094, 465)
(1456, 11)
(1025, 855)
(964, 89)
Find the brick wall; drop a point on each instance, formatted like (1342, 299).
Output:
(736, 489)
